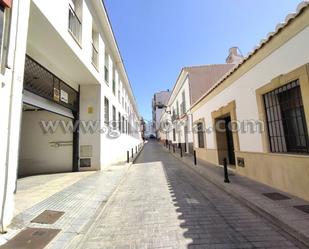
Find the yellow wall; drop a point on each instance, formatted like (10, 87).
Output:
(289, 173)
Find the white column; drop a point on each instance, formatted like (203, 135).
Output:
(10, 127)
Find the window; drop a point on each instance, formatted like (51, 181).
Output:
(114, 82)
(286, 121)
(174, 115)
(183, 104)
(106, 111)
(174, 134)
(75, 24)
(1, 24)
(177, 108)
(119, 121)
(5, 22)
(114, 118)
(119, 97)
(95, 50)
(200, 135)
(106, 68)
(123, 125)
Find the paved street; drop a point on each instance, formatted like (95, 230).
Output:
(164, 204)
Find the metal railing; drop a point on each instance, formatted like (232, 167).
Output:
(58, 144)
(95, 56)
(75, 25)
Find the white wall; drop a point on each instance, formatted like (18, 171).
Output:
(291, 55)
(177, 96)
(37, 155)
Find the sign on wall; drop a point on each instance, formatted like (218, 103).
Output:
(64, 97)
(56, 95)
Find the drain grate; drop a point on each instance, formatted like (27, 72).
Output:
(276, 196)
(48, 217)
(304, 208)
(31, 238)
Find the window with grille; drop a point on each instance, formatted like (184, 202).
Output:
(119, 121)
(200, 135)
(183, 104)
(114, 117)
(123, 125)
(286, 121)
(75, 24)
(106, 111)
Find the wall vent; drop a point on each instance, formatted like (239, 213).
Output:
(85, 162)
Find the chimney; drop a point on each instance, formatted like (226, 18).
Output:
(234, 57)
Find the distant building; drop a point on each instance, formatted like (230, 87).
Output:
(192, 83)
(159, 103)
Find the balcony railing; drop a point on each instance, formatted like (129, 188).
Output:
(75, 25)
(95, 56)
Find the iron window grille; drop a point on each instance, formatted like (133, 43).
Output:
(200, 135)
(287, 128)
(75, 25)
(40, 81)
(119, 121)
(183, 105)
(114, 118)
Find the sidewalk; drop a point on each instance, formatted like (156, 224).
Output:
(80, 196)
(281, 213)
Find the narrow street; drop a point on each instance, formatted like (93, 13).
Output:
(164, 204)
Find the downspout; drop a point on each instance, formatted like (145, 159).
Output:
(2, 229)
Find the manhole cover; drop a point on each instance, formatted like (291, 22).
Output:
(48, 217)
(304, 208)
(31, 238)
(276, 196)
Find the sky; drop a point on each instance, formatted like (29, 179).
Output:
(157, 38)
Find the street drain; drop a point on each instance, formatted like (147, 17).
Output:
(31, 238)
(276, 196)
(304, 208)
(48, 217)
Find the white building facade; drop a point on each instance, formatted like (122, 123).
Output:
(267, 97)
(191, 84)
(67, 103)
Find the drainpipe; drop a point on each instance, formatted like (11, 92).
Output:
(2, 229)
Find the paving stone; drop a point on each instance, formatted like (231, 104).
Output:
(164, 204)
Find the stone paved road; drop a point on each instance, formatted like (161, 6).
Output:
(164, 204)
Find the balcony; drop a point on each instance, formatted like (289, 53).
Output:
(75, 26)
(95, 57)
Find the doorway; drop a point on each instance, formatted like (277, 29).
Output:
(229, 141)
(225, 140)
(44, 151)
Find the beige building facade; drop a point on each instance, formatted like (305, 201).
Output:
(265, 102)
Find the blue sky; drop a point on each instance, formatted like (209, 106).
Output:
(158, 37)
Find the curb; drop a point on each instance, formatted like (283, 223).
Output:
(293, 233)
